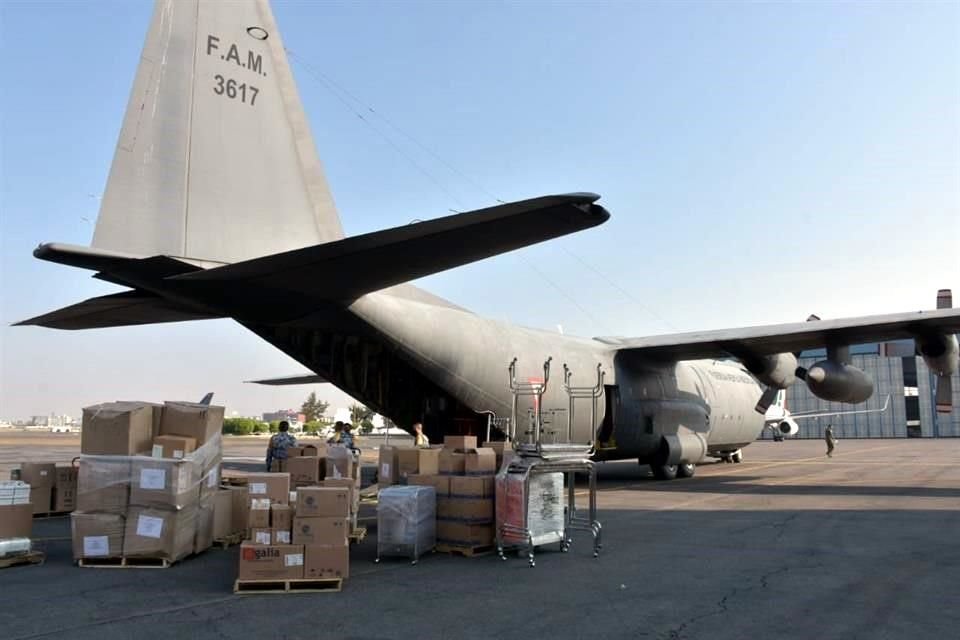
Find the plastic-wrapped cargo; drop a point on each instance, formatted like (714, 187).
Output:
(540, 513)
(406, 521)
(14, 492)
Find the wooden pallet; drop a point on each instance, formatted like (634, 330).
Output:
(34, 557)
(468, 552)
(357, 535)
(299, 585)
(125, 563)
(230, 540)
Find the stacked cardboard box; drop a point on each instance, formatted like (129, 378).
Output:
(148, 482)
(52, 488)
(465, 493)
(342, 470)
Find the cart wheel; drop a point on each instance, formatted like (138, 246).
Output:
(532, 564)
(413, 563)
(596, 554)
(377, 561)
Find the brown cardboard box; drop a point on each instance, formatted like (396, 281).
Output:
(472, 510)
(349, 484)
(42, 499)
(38, 474)
(387, 472)
(480, 462)
(164, 483)
(260, 535)
(103, 484)
(314, 450)
(460, 442)
(320, 530)
(173, 446)
(223, 520)
(278, 465)
(281, 516)
(117, 429)
(199, 421)
(241, 508)
(428, 463)
(16, 520)
(463, 534)
(304, 470)
(472, 486)
(97, 535)
(294, 452)
(451, 463)
(270, 562)
(206, 515)
(444, 508)
(281, 536)
(408, 462)
(501, 448)
(327, 561)
(275, 486)
(441, 483)
(258, 513)
(160, 533)
(323, 502)
(65, 493)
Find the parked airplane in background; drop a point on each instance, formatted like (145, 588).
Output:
(783, 422)
(217, 207)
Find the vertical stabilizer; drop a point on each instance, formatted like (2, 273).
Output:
(215, 159)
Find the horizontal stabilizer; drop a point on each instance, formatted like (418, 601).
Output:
(348, 268)
(117, 310)
(304, 378)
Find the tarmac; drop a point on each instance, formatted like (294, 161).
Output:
(789, 544)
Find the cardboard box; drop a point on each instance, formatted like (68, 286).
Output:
(38, 474)
(314, 531)
(327, 561)
(304, 470)
(42, 499)
(281, 516)
(440, 483)
(160, 533)
(16, 521)
(408, 462)
(199, 421)
(460, 442)
(261, 535)
(502, 449)
(223, 520)
(173, 446)
(472, 486)
(97, 535)
(350, 485)
(472, 510)
(480, 462)
(275, 486)
(323, 502)
(103, 484)
(206, 515)
(241, 508)
(65, 489)
(270, 562)
(387, 466)
(314, 450)
(210, 481)
(464, 534)
(294, 452)
(117, 429)
(451, 463)
(258, 513)
(278, 465)
(428, 463)
(164, 483)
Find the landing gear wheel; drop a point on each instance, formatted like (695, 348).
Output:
(664, 471)
(686, 470)
(737, 457)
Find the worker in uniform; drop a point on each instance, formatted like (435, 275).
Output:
(346, 438)
(420, 439)
(830, 440)
(277, 448)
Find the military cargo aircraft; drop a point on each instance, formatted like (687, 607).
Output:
(217, 207)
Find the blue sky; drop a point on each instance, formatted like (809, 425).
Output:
(761, 162)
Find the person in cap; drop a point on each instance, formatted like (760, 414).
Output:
(279, 442)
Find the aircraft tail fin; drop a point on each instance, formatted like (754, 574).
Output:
(215, 159)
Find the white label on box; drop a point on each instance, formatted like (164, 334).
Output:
(293, 560)
(149, 526)
(212, 477)
(153, 478)
(281, 537)
(94, 546)
(157, 451)
(258, 488)
(260, 503)
(178, 454)
(385, 470)
(262, 537)
(43, 472)
(293, 497)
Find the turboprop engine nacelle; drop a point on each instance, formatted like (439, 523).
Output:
(839, 382)
(788, 427)
(940, 353)
(778, 370)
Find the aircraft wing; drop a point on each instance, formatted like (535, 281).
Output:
(116, 310)
(825, 414)
(346, 269)
(793, 337)
(303, 378)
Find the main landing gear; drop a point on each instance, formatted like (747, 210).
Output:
(732, 456)
(672, 471)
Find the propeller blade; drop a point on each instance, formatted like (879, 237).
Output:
(801, 373)
(944, 394)
(769, 395)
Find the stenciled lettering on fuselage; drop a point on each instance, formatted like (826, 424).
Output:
(731, 377)
(244, 59)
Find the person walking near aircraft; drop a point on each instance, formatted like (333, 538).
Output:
(277, 449)
(831, 441)
(420, 439)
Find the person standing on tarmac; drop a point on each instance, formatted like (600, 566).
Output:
(277, 449)
(346, 438)
(420, 439)
(830, 440)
